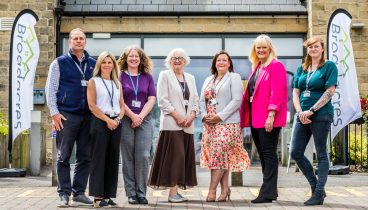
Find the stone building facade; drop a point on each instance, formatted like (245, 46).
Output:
(319, 12)
(160, 17)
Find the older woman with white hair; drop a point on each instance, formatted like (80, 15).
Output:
(174, 162)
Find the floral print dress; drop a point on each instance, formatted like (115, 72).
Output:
(222, 144)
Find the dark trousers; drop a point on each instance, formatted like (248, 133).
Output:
(266, 143)
(75, 131)
(103, 179)
(319, 128)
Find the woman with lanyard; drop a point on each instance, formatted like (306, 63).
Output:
(174, 162)
(106, 102)
(222, 148)
(314, 85)
(263, 109)
(137, 132)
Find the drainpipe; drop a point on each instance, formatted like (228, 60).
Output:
(59, 10)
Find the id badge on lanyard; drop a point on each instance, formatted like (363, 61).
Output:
(84, 83)
(186, 102)
(306, 94)
(213, 101)
(136, 104)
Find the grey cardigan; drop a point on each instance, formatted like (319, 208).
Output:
(228, 96)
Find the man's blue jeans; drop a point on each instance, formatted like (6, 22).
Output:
(319, 128)
(76, 131)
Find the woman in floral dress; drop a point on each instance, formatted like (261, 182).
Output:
(222, 143)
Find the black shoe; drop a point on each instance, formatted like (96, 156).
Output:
(111, 202)
(324, 192)
(133, 200)
(316, 199)
(262, 200)
(98, 203)
(142, 200)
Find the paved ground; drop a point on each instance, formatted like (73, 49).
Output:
(343, 192)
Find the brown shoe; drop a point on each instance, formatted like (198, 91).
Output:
(222, 198)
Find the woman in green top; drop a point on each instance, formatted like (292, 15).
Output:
(314, 85)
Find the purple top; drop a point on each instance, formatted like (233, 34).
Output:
(146, 88)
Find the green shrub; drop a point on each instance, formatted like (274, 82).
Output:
(4, 128)
(358, 149)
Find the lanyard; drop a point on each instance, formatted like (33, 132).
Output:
(135, 88)
(110, 94)
(79, 67)
(213, 87)
(182, 87)
(309, 76)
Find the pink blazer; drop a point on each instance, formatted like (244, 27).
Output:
(270, 93)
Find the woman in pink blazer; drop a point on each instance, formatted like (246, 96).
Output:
(264, 107)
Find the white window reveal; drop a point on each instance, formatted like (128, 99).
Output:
(193, 46)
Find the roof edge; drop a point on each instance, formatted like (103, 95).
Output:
(163, 14)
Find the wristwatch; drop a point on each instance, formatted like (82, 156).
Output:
(312, 109)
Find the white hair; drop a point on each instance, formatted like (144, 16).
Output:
(182, 53)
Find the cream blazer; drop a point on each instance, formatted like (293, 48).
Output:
(170, 98)
(229, 93)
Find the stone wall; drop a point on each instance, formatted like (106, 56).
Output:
(221, 24)
(45, 30)
(319, 13)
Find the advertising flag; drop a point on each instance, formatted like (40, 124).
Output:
(24, 53)
(346, 100)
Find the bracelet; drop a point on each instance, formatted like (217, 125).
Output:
(312, 110)
(117, 119)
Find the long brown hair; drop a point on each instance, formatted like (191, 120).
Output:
(145, 65)
(308, 58)
(213, 66)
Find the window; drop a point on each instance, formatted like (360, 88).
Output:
(193, 46)
(95, 46)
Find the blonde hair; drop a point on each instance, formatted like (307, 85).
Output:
(308, 58)
(181, 51)
(261, 40)
(75, 30)
(145, 65)
(114, 73)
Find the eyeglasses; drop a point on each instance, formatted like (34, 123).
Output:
(177, 58)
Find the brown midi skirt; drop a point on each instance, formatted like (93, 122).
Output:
(174, 161)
